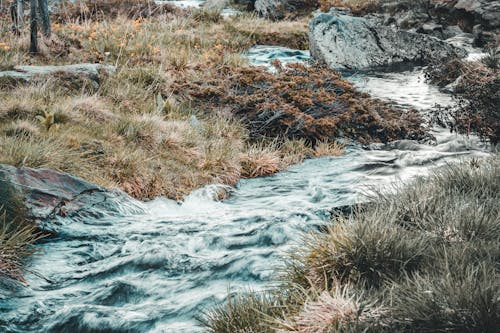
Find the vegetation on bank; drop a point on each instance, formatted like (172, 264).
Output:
(182, 110)
(17, 241)
(422, 257)
(134, 131)
(476, 88)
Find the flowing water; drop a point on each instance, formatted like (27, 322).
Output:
(186, 4)
(155, 265)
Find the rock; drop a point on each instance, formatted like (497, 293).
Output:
(484, 12)
(278, 9)
(432, 29)
(51, 198)
(249, 4)
(452, 31)
(352, 43)
(25, 74)
(477, 32)
(410, 19)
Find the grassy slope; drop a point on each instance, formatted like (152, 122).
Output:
(424, 259)
(133, 132)
(124, 134)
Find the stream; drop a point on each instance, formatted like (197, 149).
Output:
(153, 268)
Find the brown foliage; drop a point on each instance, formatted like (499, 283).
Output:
(299, 102)
(477, 92)
(357, 7)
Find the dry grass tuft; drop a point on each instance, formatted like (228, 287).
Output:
(328, 148)
(260, 160)
(331, 309)
(16, 246)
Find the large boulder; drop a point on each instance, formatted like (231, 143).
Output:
(344, 42)
(484, 12)
(51, 198)
(278, 9)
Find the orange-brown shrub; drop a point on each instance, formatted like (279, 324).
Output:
(299, 102)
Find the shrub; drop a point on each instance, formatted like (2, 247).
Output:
(311, 103)
(477, 93)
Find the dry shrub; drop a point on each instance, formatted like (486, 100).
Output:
(299, 102)
(260, 160)
(477, 92)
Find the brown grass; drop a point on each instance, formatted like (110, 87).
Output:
(16, 245)
(136, 131)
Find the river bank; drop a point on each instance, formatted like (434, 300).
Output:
(421, 257)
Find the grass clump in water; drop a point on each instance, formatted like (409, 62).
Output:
(16, 246)
(423, 257)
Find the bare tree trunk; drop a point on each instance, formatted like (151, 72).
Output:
(44, 17)
(20, 13)
(33, 27)
(15, 18)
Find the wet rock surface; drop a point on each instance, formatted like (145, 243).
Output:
(51, 198)
(352, 43)
(485, 12)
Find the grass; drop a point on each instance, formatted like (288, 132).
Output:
(136, 130)
(247, 312)
(476, 90)
(16, 246)
(422, 257)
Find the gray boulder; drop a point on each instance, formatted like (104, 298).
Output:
(351, 43)
(51, 198)
(485, 12)
(278, 9)
(249, 4)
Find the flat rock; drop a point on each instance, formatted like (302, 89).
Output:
(353, 43)
(51, 198)
(28, 73)
(485, 12)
